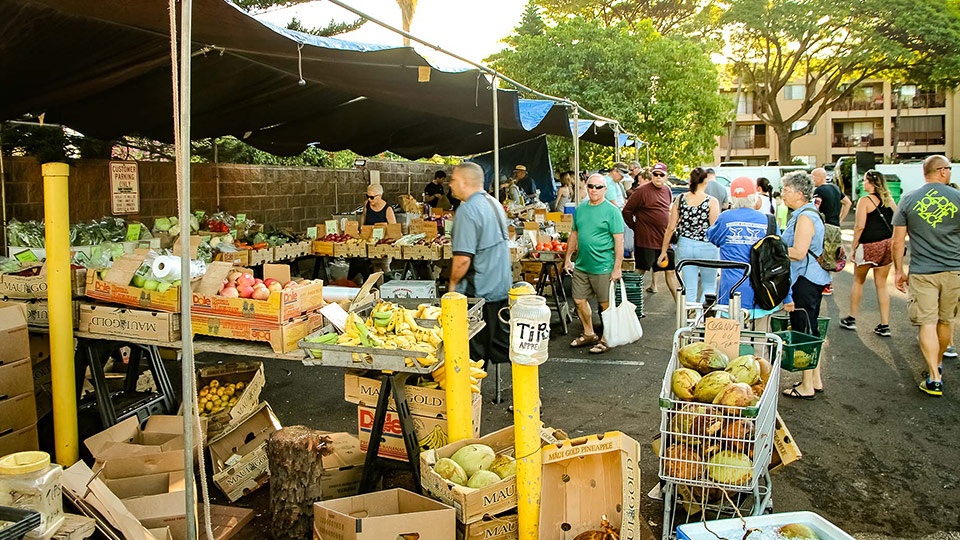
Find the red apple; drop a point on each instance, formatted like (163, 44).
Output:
(246, 291)
(269, 281)
(246, 279)
(289, 284)
(229, 291)
(258, 281)
(261, 293)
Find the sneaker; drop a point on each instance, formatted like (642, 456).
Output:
(934, 388)
(828, 290)
(951, 352)
(881, 330)
(849, 323)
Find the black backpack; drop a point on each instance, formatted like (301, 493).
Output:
(769, 269)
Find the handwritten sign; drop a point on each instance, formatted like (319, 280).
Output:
(430, 230)
(394, 231)
(330, 226)
(378, 233)
(416, 226)
(366, 232)
(133, 232)
(352, 228)
(312, 233)
(723, 334)
(124, 187)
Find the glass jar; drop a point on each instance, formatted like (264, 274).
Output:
(29, 481)
(529, 330)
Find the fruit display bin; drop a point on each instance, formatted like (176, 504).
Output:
(780, 322)
(738, 440)
(800, 351)
(385, 359)
(734, 528)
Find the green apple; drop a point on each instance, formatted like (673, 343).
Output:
(163, 286)
(151, 285)
(138, 281)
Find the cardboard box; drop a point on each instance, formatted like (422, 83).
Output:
(251, 375)
(239, 454)
(342, 466)
(383, 250)
(431, 431)
(157, 500)
(785, 449)
(29, 287)
(17, 412)
(16, 377)
(471, 504)
(42, 382)
(323, 248)
(161, 434)
(282, 306)
(363, 390)
(350, 250)
(161, 533)
(128, 295)
(404, 288)
(14, 337)
(384, 515)
(20, 440)
(503, 527)
(38, 313)
(261, 256)
(283, 338)
(586, 478)
(226, 521)
(422, 253)
(131, 323)
(236, 258)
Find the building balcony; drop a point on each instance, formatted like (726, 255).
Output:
(854, 141)
(851, 104)
(745, 142)
(919, 138)
(924, 100)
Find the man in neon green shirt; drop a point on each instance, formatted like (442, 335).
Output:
(597, 239)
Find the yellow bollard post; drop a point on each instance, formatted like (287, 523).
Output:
(56, 208)
(456, 350)
(529, 341)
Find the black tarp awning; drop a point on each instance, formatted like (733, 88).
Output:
(103, 68)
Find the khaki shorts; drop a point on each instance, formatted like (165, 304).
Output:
(934, 298)
(586, 286)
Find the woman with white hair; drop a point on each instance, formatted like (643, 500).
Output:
(804, 239)
(735, 233)
(376, 210)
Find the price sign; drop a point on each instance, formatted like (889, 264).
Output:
(312, 233)
(124, 187)
(241, 218)
(200, 214)
(133, 232)
(26, 255)
(378, 233)
(330, 227)
(366, 232)
(352, 228)
(394, 231)
(416, 226)
(724, 334)
(429, 230)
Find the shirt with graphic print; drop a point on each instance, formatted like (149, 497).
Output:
(931, 215)
(735, 232)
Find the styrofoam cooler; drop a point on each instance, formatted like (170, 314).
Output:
(734, 528)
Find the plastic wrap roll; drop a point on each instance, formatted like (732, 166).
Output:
(337, 294)
(166, 268)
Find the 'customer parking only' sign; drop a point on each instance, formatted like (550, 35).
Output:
(124, 187)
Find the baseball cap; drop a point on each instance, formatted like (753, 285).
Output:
(621, 167)
(742, 187)
(660, 166)
(520, 168)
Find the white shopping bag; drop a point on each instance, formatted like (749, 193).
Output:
(620, 323)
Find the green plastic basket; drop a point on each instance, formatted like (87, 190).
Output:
(800, 351)
(780, 322)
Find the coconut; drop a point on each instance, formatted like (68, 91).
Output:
(798, 531)
(683, 381)
(702, 357)
(474, 457)
(729, 467)
(735, 395)
(450, 470)
(745, 369)
(683, 463)
(710, 385)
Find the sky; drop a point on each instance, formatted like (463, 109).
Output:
(468, 28)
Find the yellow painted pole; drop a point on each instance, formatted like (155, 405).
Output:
(526, 423)
(56, 208)
(456, 350)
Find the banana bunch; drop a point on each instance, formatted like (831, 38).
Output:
(393, 327)
(357, 333)
(477, 374)
(435, 439)
(328, 339)
(427, 311)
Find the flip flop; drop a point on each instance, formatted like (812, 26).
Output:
(795, 394)
(651, 290)
(584, 340)
(817, 390)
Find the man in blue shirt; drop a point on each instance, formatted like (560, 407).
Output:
(481, 258)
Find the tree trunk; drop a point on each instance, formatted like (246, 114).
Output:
(295, 456)
(733, 123)
(895, 130)
(784, 144)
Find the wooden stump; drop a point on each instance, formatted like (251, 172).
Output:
(296, 455)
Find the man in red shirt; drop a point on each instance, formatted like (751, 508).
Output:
(647, 212)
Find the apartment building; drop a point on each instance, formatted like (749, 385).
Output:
(929, 123)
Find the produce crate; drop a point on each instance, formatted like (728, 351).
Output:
(323, 248)
(781, 321)
(378, 358)
(261, 256)
(281, 252)
(745, 433)
(301, 249)
(22, 522)
(422, 252)
(349, 250)
(549, 256)
(736, 527)
(800, 351)
(30, 287)
(378, 251)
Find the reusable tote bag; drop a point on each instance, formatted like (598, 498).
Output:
(620, 323)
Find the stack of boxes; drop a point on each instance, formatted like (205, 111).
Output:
(18, 409)
(32, 292)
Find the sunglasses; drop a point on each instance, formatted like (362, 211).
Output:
(595, 186)
(372, 197)
(660, 174)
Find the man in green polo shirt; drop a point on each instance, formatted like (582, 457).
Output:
(597, 239)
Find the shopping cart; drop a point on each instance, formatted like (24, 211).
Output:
(693, 314)
(714, 459)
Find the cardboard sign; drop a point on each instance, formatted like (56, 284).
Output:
(330, 227)
(378, 233)
(352, 228)
(416, 226)
(436, 211)
(124, 187)
(394, 231)
(279, 272)
(366, 232)
(723, 334)
(554, 216)
(531, 226)
(430, 230)
(194, 243)
(312, 233)
(564, 227)
(540, 215)
(336, 315)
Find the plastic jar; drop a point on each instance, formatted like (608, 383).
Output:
(529, 330)
(29, 481)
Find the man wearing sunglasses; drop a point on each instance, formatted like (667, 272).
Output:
(647, 212)
(597, 239)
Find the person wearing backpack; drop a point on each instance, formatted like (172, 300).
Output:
(871, 248)
(737, 232)
(804, 238)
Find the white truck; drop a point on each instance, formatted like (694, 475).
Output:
(910, 175)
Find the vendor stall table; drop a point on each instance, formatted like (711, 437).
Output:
(550, 275)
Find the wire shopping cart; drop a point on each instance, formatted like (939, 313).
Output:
(693, 314)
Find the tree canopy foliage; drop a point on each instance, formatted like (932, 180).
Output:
(663, 88)
(667, 16)
(331, 29)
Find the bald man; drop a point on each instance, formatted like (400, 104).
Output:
(833, 204)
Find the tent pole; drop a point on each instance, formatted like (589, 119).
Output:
(183, 164)
(616, 142)
(3, 191)
(576, 153)
(216, 165)
(496, 140)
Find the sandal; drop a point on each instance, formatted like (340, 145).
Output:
(584, 340)
(651, 290)
(795, 394)
(817, 390)
(599, 348)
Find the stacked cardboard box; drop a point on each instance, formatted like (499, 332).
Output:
(32, 292)
(18, 409)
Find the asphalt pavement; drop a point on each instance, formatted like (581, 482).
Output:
(879, 456)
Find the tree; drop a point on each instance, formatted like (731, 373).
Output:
(829, 47)
(663, 88)
(667, 16)
(531, 24)
(331, 29)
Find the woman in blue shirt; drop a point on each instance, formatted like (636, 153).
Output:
(804, 239)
